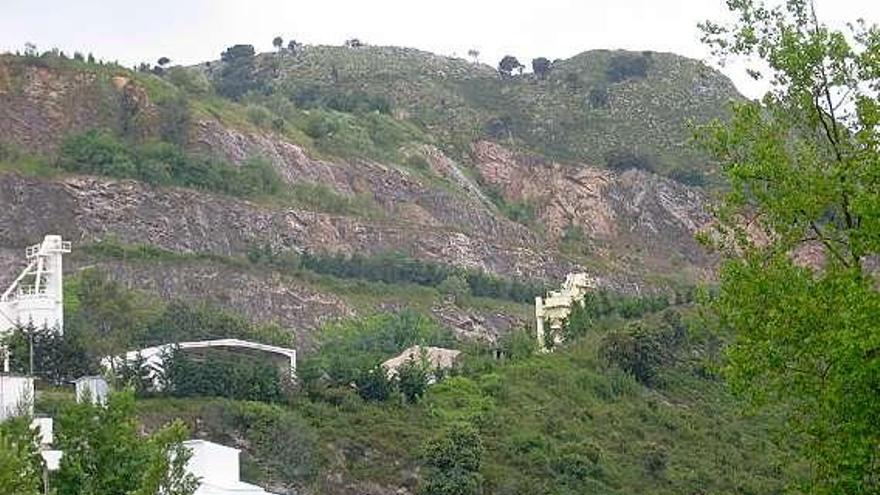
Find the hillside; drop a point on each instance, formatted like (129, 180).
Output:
(352, 202)
(590, 108)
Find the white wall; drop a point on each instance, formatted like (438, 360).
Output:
(212, 462)
(16, 395)
(96, 386)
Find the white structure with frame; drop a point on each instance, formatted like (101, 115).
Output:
(36, 296)
(153, 357)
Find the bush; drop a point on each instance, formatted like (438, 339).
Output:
(97, 152)
(643, 348)
(351, 350)
(453, 462)
(621, 160)
(221, 374)
(625, 66)
(162, 163)
(285, 444)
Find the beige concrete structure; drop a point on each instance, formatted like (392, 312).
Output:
(552, 311)
(435, 358)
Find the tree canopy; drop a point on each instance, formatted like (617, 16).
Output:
(798, 227)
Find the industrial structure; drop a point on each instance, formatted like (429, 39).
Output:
(553, 310)
(154, 357)
(36, 296)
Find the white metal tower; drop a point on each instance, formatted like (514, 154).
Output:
(36, 296)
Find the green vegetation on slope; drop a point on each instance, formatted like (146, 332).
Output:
(593, 107)
(569, 422)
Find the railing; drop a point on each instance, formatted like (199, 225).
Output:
(29, 292)
(36, 249)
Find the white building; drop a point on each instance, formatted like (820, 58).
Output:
(16, 396)
(555, 308)
(93, 387)
(36, 295)
(217, 468)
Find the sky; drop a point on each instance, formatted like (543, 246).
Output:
(192, 31)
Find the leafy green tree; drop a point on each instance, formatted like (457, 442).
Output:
(278, 42)
(107, 316)
(542, 66)
(507, 65)
(412, 379)
(374, 385)
(453, 462)
(57, 357)
(21, 466)
(350, 349)
(456, 287)
(237, 75)
(803, 165)
(104, 453)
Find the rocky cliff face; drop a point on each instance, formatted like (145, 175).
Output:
(618, 214)
(631, 224)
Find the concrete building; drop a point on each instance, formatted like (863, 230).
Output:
(217, 468)
(93, 387)
(16, 396)
(434, 358)
(36, 295)
(553, 310)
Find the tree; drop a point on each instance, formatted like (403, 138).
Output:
(108, 316)
(56, 357)
(456, 287)
(278, 43)
(507, 65)
(542, 66)
(412, 379)
(453, 462)
(104, 453)
(803, 165)
(163, 61)
(21, 466)
(474, 54)
(293, 47)
(374, 385)
(237, 76)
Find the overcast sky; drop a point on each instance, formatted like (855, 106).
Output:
(190, 31)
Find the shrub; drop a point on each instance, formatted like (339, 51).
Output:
(373, 384)
(221, 374)
(623, 66)
(621, 160)
(97, 152)
(412, 380)
(453, 462)
(351, 350)
(643, 348)
(163, 163)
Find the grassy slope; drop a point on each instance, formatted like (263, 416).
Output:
(554, 424)
(455, 99)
